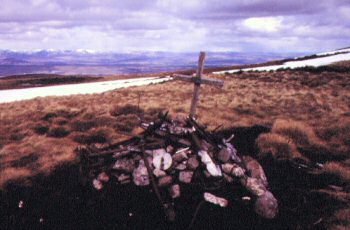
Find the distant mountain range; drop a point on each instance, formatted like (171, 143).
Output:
(85, 62)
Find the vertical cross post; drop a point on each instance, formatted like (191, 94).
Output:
(197, 84)
(198, 80)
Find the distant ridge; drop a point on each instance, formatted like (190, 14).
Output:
(88, 62)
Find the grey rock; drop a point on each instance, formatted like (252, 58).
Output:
(266, 205)
(181, 166)
(158, 173)
(185, 176)
(124, 164)
(103, 177)
(165, 181)
(175, 191)
(233, 170)
(192, 163)
(180, 156)
(97, 184)
(255, 186)
(222, 202)
(169, 149)
(224, 155)
(255, 170)
(123, 178)
(140, 175)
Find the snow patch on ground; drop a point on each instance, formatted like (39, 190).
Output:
(334, 52)
(72, 89)
(315, 62)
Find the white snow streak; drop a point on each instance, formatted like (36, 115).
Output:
(71, 89)
(315, 62)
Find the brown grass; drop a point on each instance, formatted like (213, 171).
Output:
(277, 146)
(298, 132)
(301, 114)
(338, 169)
(308, 112)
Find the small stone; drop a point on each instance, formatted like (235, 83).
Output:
(97, 184)
(103, 177)
(266, 205)
(20, 204)
(158, 152)
(140, 175)
(165, 181)
(255, 186)
(213, 169)
(175, 191)
(185, 176)
(123, 177)
(255, 170)
(184, 142)
(124, 164)
(227, 168)
(169, 149)
(246, 200)
(233, 169)
(192, 163)
(181, 166)
(238, 171)
(215, 199)
(159, 173)
(162, 161)
(224, 155)
(180, 156)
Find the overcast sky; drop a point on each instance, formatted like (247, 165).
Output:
(175, 25)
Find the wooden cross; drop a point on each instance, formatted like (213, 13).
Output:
(198, 80)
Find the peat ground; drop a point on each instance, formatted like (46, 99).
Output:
(63, 201)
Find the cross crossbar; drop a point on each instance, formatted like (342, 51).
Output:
(198, 80)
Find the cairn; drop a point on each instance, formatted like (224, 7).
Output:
(170, 154)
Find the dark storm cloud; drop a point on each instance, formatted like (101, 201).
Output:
(175, 25)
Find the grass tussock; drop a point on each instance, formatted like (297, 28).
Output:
(308, 113)
(126, 123)
(277, 146)
(125, 110)
(298, 132)
(58, 132)
(338, 169)
(14, 174)
(101, 135)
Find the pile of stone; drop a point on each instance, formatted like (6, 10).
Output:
(172, 153)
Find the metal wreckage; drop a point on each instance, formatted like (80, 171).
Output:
(170, 154)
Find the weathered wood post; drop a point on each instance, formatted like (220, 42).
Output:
(197, 84)
(198, 80)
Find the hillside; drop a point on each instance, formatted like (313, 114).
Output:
(85, 62)
(306, 113)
